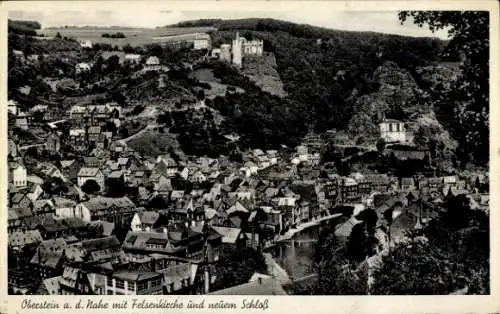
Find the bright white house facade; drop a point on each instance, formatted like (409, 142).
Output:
(393, 131)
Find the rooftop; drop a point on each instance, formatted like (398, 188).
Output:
(261, 286)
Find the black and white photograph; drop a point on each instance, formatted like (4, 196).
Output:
(247, 152)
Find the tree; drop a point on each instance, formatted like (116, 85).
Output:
(201, 94)
(381, 145)
(449, 254)
(156, 50)
(335, 278)
(54, 186)
(336, 275)
(463, 106)
(113, 63)
(32, 152)
(90, 187)
(115, 187)
(237, 265)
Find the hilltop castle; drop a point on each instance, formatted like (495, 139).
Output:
(240, 47)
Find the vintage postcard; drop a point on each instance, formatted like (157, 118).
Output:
(288, 156)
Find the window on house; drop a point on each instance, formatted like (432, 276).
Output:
(156, 283)
(390, 127)
(142, 286)
(119, 284)
(109, 282)
(130, 285)
(110, 292)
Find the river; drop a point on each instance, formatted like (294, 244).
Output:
(296, 255)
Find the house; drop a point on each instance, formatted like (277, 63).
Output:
(153, 64)
(35, 191)
(94, 133)
(148, 220)
(163, 186)
(78, 112)
(43, 208)
(20, 245)
(12, 148)
(12, 107)
(261, 286)
(119, 210)
(127, 282)
(435, 184)
(237, 207)
(95, 251)
(249, 168)
(133, 58)
(348, 190)
(201, 41)
(82, 67)
(74, 281)
(22, 122)
(21, 200)
(181, 278)
(184, 242)
(216, 52)
(364, 186)
(232, 236)
(407, 154)
(70, 169)
(64, 208)
(198, 177)
(17, 218)
(407, 184)
(91, 162)
(53, 143)
(393, 131)
(86, 43)
(450, 181)
(379, 182)
(17, 175)
(87, 173)
(48, 170)
(78, 140)
(49, 258)
(49, 286)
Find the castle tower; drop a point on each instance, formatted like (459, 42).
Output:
(237, 51)
(225, 52)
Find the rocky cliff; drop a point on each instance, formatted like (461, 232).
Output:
(262, 71)
(399, 96)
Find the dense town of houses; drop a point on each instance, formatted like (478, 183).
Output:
(185, 209)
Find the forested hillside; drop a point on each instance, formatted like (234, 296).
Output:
(333, 79)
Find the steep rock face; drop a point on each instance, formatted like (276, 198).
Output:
(262, 71)
(399, 96)
(443, 73)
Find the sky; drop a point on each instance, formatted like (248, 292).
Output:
(377, 21)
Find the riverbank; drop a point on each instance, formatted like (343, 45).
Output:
(275, 270)
(290, 233)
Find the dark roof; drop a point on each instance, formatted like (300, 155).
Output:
(270, 286)
(157, 241)
(136, 275)
(100, 243)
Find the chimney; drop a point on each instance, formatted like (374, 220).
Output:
(165, 230)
